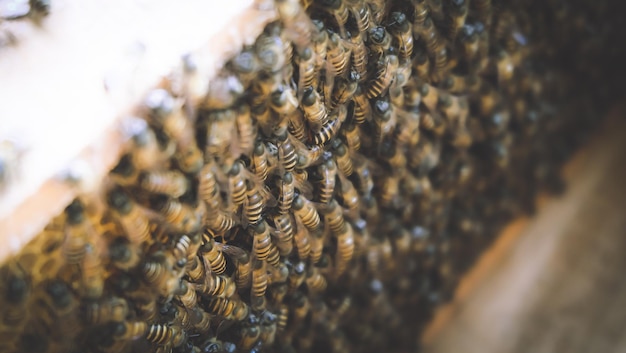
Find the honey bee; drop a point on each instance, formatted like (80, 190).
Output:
(189, 157)
(253, 205)
(250, 333)
(430, 96)
(245, 65)
(178, 215)
(359, 53)
(246, 131)
(326, 173)
(263, 247)
(379, 42)
(228, 308)
(212, 254)
(200, 319)
(315, 281)
(306, 212)
(344, 89)
(220, 130)
(282, 318)
(351, 135)
(243, 265)
(187, 294)
(504, 67)
(92, 272)
(284, 233)
(363, 175)
(214, 285)
(302, 240)
(421, 64)
(171, 182)
(342, 159)
(259, 284)
(385, 120)
(59, 298)
(270, 49)
(314, 109)
(78, 233)
(333, 217)
(361, 13)
(348, 196)
(283, 101)
(287, 155)
(385, 72)
(16, 294)
(125, 173)
(268, 328)
(300, 307)
(402, 33)
(110, 309)
(339, 10)
(307, 73)
(483, 10)
(162, 273)
(133, 220)
(223, 92)
(320, 44)
(337, 58)
(237, 179)
(317, 239)
(420, 11)
(298, 26)
(450, 106)
(345, 248)
(329, 130)
(262, 161)
(457, 15)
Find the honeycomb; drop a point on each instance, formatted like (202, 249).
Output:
(328, 191)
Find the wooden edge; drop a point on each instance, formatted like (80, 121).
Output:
(67, 86)
(496, 263)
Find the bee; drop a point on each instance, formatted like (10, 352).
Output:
(59, 298)
(296, 126)
(306, 212)
(270, 49)
(283, 101)
(212, 254)
(221, 127)
(262, 161)
(282, 318)
(223, 92)
(385, 72)
(16, 295)
(162, 273)
(436, 9)
(407, 130)
(430, 96)
(333, 217)
(245, 65)
(326, 173)
(243, 265)
(246, 131)
(78, 233)
(268, 328)
(314, 109)
(284, 233)
(320, 44)
(208, 188)
(215, 285)
(483, 10)
(145, 153)
(113, 309)
(351, 135)
(317, 245)
(250, 333)
(421, 64)
(297, 274)
(220, 221)
(385, 119)
(187, 294)
(92, 272)
(189, 157)
(178, 215)
(337, 58)
(348, 196)
(298, 25)
(342, 159)
(259, 284)
(505, 67)
(378, 10)
(457, 15)
(402, 33)
(379, 42)
(363, 175)
(132, 218)
(420, 12)
(263, 247)
(237, 179)
(315, 281)
(345, 248)
(302, 240)
(307, 73)
(253, 205)
(125, 173)
(339, 10)
(187, 248)
(361, 13)
(344, 89)
(287, 155)
(229, 309)
(300, 306)
(329, 130)
(450, 106)
(171, 182)
(200, 319)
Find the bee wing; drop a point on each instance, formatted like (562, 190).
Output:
(235, 252)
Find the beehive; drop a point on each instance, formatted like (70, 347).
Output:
(325, 193)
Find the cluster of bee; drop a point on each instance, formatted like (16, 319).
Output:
(324, 195)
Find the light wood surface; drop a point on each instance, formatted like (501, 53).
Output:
(66, 85)
(554, 284)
